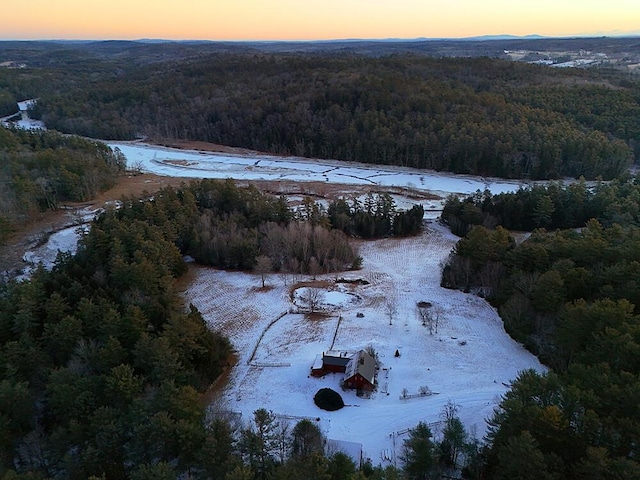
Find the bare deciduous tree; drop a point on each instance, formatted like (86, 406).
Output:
(490, 276)
(423, 312)
(263, 267)
(391, 307)
(372, 351)
(294, 268)
(273, 244)
(314, 267)
(283, 430)
(430, 316)
(312, 297)
(437, 317)
(136, 167)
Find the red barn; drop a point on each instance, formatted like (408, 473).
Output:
(360, 372)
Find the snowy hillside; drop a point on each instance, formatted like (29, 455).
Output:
(470, 360)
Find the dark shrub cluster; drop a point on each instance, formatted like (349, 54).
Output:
(328, 399)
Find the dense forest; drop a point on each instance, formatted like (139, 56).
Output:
(103, 369)
(571, 296)
(551, 206)
(109, 367)
(481, 116)
(39, 170)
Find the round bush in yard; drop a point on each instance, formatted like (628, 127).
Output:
(328, 399)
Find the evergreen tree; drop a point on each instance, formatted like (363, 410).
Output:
(418, 453)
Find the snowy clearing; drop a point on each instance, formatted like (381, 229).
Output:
(198, 164)
(470, 360)
(21, 118)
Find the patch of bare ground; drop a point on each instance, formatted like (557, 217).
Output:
(266, 288)
(205, 147)
(309, 283)
(26, 236)
(317, 316)
(333, 191)
(181, 163)
(137, 186)
(185, 281)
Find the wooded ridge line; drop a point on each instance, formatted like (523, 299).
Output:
(480, 116)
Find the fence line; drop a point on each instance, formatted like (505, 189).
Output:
(255, 349)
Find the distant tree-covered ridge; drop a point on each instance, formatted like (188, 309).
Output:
(40, 169)
(478, 116)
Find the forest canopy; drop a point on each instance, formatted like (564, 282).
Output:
(570, 296)
(41, 169)
(478, 116)
(110, 367)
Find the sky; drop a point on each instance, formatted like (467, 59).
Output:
(242, 20)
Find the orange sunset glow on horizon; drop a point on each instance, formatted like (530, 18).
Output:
(312, 20)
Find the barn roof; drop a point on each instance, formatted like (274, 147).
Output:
(333, 357)
(317, 364)
(362, 363)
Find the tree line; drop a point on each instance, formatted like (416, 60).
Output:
(268, 447)
(551, 206)
(39, 170)
(571, 297)
(228, 226)
(478, 116)
(375, 216)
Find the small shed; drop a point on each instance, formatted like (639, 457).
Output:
(351, 449)
(360, 372)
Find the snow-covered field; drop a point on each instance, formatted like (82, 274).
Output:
(193, 163)
(469, 361)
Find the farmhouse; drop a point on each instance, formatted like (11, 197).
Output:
(359, 369)
(360, 372)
